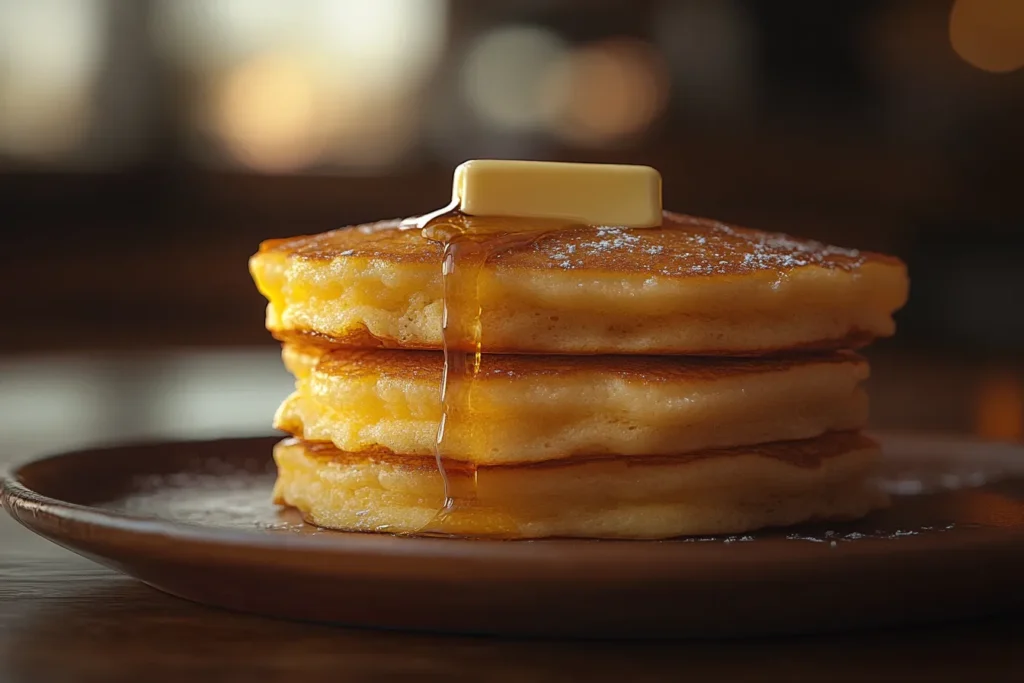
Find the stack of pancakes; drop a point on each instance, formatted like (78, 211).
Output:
(695, 378)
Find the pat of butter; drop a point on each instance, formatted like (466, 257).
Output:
(589, 194)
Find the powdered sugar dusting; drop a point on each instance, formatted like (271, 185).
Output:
(607, 240)
(683, 247)
(687, 246)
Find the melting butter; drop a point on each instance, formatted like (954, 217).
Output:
(554, 192)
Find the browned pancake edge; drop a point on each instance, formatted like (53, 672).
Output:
(806, 453)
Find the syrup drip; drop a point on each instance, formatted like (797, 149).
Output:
(468, 242)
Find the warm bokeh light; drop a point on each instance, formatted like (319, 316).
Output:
(999, 408)
(503, 75)
(324, 82)
(394, 41)
(988, 34)
(607, 91)
(210, 34)
(266, 113)
(50, 53)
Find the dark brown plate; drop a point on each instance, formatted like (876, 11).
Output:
(194, 519)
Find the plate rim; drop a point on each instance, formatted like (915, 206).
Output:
(588, 588)
(34, 510)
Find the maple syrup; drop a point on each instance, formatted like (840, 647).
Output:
(467, 242)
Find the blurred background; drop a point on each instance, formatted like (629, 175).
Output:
(147, 146)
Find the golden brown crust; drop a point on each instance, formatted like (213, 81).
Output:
(362, 339)
(806, 453)
(684, 247)
(407, 364)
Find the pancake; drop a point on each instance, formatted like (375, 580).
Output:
(524, 408)
(712, 492)
(693, 286)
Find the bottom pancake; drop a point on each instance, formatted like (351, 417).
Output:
(710, 492)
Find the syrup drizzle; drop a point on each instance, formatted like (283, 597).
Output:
(468, 242)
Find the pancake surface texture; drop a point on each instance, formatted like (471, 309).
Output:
(537, 408)
(693, 286)
(712, 492)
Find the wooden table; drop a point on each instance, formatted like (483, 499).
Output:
(65, 618)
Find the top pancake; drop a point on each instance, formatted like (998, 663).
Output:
(693, 286)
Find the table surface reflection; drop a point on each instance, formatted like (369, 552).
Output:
(63, 617)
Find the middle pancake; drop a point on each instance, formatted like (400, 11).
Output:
(537, 408)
